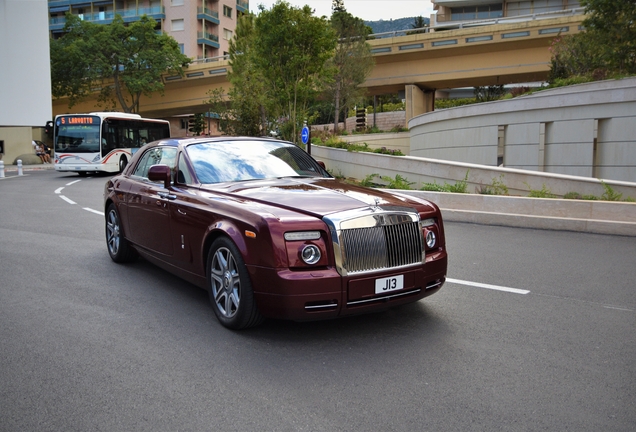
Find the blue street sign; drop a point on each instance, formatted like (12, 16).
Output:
(304, 135)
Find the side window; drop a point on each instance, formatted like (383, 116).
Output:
(155, 156)
(183, 173)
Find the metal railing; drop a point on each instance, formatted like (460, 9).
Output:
(474, 23)
(200, 60)
(207, 11)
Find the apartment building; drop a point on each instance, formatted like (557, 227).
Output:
(456, 11)
(202, 28)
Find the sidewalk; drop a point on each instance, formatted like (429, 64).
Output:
(30, 167)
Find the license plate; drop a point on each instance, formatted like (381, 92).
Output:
(385, 285)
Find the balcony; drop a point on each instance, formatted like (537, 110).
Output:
(209, 39)
(208, 15)
(242, 6)
(106, 17)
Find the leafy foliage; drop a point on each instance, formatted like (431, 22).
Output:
(196, 124)
(244, 110)
(489, 93)
(123, 61)
(544, 192)
(607, 47)
(460, 186)
(289, 50)
(351, 63)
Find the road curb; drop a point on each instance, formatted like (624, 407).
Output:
(597, 217)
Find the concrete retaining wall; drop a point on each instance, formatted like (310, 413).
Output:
(422, 170)
(586, 130)
(600, 217)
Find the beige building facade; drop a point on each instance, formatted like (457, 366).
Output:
(202, 28)
(458, 11)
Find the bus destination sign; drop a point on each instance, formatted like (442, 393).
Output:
(79, 120)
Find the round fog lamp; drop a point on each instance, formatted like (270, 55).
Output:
(430, 239)
(310, 254)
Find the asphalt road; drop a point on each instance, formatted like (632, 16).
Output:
(548, 342)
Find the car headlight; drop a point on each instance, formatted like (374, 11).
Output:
(431, 239)
(310, 254)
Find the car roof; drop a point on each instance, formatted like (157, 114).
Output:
(176, 141)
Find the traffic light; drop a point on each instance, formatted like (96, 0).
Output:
(192, 125)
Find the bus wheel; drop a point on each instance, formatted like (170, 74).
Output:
(122, 163)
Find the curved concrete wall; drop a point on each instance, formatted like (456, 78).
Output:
(586, 130)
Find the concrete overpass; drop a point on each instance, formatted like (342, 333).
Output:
(418, 64)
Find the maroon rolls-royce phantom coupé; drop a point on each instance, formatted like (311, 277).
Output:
(269, 232)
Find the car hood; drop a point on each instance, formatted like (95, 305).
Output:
(318, 197)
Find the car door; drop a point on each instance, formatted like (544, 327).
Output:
(190, 220)
(149, 204)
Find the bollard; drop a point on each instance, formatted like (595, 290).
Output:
(1, 169)
(19, 167)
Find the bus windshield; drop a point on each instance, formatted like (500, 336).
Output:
(78, 136)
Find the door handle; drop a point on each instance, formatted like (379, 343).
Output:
(166, 195)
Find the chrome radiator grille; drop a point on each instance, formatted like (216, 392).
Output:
(381, 247)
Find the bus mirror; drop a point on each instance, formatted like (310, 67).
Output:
(160, 173)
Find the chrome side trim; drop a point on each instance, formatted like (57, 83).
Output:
(384, 298)
(321, 307)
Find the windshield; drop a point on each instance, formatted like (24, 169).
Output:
(216, 162)
(77, 134)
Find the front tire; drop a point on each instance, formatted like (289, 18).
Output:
(122, 164)
(230, 288)
(118, 247)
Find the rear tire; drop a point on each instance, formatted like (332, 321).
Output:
(230, 288)
(119, 248)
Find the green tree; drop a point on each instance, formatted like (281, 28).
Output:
(612, 23)
(123, 61)
(289, 50)
(419, 22)
(248, 95)
(196, 124)
(489, 93)
(351, 63)
(607, 47)
(338, 6)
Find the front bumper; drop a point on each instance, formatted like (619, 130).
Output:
(324, 294)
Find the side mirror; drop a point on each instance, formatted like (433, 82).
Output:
(160, 173)
(322, 164)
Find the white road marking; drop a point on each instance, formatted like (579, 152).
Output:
(67, 200)
(73, 182)
(93, 211)
(618, 308)
(59, 190)
(487, 286)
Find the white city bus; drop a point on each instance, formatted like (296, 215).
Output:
(102, 141)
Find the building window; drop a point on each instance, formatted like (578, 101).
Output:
(227, 11)
(476, 12)
(178, 25)
(177, 3)
(182, 48)
(227, 34)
